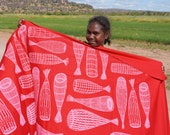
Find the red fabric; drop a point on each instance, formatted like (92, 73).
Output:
(53, 84)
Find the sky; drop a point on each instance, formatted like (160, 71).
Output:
(149, 5)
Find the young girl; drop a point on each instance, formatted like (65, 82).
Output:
(98, 31)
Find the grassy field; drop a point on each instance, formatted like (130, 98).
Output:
(152, 29)
(148, 32)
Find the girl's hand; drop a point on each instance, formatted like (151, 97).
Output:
(20, 22)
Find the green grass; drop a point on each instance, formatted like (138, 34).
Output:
(71, 25)
(142, 31)
(152, 29)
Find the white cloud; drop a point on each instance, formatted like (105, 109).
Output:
(124, 4)
(154, 5)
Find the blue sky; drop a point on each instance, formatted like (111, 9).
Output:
(152, 5)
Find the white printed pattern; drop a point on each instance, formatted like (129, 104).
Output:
(28, 96)
(131, 97)
(46, 59)
(124, 69)
(53, 46)
(45, 98)
(22, 55)
(91, 63)
(121, 98)
(88, 87)
(78, 52)
(36, 81)
(10, 54)
(26, 81)
(22, 32)
(104, 59)
(7, 121)
(31, 114)
(144, 95)
(37, 32)
(133, 108)
(10, 92)
(60, 86)
(2, 67)
(102, 103)
(81, 120)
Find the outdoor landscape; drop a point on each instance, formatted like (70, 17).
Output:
(142, 33)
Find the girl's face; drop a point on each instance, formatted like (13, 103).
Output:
(95, 36)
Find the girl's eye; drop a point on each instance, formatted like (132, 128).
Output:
(88, 32)
(96, 33)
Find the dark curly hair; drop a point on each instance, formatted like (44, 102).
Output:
(105, 23)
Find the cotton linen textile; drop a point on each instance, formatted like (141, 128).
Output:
(52, 84)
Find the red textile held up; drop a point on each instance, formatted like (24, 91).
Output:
(52, 84)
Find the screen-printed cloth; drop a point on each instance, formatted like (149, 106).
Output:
(53, 84)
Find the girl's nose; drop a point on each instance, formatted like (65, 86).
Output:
(91, 35)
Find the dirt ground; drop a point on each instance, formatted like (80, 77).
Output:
(161, 55)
